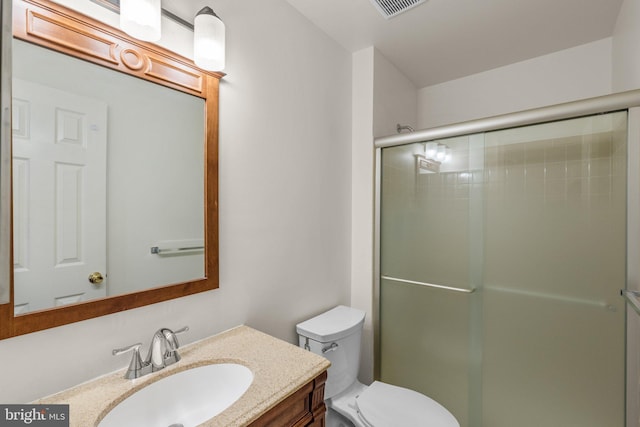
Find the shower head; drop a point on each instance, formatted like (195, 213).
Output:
(400, 128)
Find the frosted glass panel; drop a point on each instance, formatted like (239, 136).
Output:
(425, 219)
(555, 253)
(533, 221)
(427, 234)
(425, 343)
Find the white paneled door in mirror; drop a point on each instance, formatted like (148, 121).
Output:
(59, 158)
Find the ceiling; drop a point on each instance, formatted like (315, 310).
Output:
(441, 40)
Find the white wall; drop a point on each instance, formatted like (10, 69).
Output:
(285, 203)
(362, 180)
(626, 47)
(395, 98)
(567, 75)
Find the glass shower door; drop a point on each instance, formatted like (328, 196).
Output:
(523, 234)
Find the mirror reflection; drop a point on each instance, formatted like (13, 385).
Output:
(108, 182)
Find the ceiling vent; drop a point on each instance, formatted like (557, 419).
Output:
(391, 8)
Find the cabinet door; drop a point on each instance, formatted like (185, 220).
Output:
(304, 408)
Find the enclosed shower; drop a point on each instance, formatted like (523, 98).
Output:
(502, 256)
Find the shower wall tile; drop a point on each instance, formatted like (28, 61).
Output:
(577, 168)
(600, 146)
(570, 168)
(534, 188)
(534, 172)
(461, 191)
(464, 177)
(534, 155)
(555, 170)
(600, 166)
(600, 185)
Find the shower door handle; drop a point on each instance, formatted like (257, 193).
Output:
(430, 285)
(633, 298)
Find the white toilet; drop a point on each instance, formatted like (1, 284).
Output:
(336, 336)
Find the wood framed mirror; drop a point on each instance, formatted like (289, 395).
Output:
(41, 24)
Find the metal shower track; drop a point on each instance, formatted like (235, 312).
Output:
(568, 110)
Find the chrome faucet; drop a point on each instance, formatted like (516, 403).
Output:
(163, 351)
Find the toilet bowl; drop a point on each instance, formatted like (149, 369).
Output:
(336, 335)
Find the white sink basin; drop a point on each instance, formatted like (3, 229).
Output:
(187, 398)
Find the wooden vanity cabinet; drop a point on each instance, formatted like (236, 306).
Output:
(304, 408)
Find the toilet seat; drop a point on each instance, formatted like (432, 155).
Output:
(385, 405)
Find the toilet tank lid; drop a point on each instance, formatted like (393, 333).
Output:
(332, 325)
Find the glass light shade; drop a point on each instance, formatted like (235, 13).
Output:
(447, 154)
(209, 41)
(141, 19)
(442, 152)
(430, 150)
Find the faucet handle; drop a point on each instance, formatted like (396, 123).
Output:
(171, 337)
(181, 330)
(136, 365)
(171, 355)
(132, 347)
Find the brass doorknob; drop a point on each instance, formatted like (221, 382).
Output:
(96, 278)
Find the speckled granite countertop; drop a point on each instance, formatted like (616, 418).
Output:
(279, 369)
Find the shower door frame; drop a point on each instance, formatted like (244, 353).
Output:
(630, 101)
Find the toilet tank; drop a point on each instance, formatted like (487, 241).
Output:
(335, 335)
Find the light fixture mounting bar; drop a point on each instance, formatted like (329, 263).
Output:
(114, 6)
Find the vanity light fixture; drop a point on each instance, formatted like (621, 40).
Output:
(209, 40)
(141, 19)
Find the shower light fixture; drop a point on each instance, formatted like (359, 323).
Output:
(430, 150)
(426, 166)
(440, 153)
